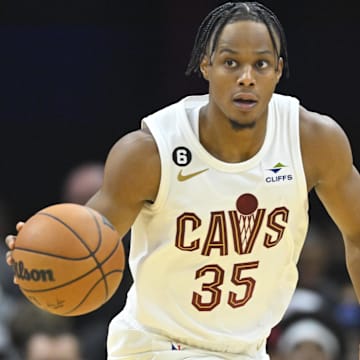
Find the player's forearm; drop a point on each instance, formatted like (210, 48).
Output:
(352, 250)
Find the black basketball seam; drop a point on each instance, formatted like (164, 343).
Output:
(66, 283)
(70, 229)
(89, 292)
(51, 255)
(98, 265)
(80, 277)
(91, 253)
(84, 298)
(73, 232)
(100, 240)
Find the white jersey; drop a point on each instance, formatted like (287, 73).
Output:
(214, 257)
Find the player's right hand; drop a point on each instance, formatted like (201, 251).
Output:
(10, 243)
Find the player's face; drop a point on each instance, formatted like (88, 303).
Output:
(242, 73)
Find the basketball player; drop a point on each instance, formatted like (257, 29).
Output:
(215, 189)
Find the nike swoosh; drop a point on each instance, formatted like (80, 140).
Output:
(182, 177)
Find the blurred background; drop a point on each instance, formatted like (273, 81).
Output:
(77, 75)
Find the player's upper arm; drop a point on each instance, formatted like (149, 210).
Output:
(131, 177)
(329, 164)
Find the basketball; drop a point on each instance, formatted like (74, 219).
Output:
(69, 259)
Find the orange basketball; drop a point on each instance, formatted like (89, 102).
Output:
(69, 260)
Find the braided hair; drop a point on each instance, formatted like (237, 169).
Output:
(210, 29)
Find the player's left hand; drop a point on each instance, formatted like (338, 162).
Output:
(10, 243)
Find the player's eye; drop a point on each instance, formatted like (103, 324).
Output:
(262, 64)
(230, 63)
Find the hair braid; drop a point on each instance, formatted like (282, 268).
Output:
(202, 39)
(210, 29)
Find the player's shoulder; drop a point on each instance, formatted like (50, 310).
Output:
(134, 152)
(131, 160)
(324, 144)
(139, 142)
(322, 126)
(312, 123)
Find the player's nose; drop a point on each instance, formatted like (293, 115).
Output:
(246, 76)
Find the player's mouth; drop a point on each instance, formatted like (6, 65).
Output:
(245, 101)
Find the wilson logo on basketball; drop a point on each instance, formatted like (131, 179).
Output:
(26, 274)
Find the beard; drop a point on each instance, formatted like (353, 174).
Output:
(239, 126)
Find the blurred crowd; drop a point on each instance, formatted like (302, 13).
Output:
(322, 322)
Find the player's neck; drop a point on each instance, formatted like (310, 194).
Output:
(226, 141)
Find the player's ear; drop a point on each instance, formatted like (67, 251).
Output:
(279, 69)
(205, 62)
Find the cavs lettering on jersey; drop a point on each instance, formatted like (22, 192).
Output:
(214, 258)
